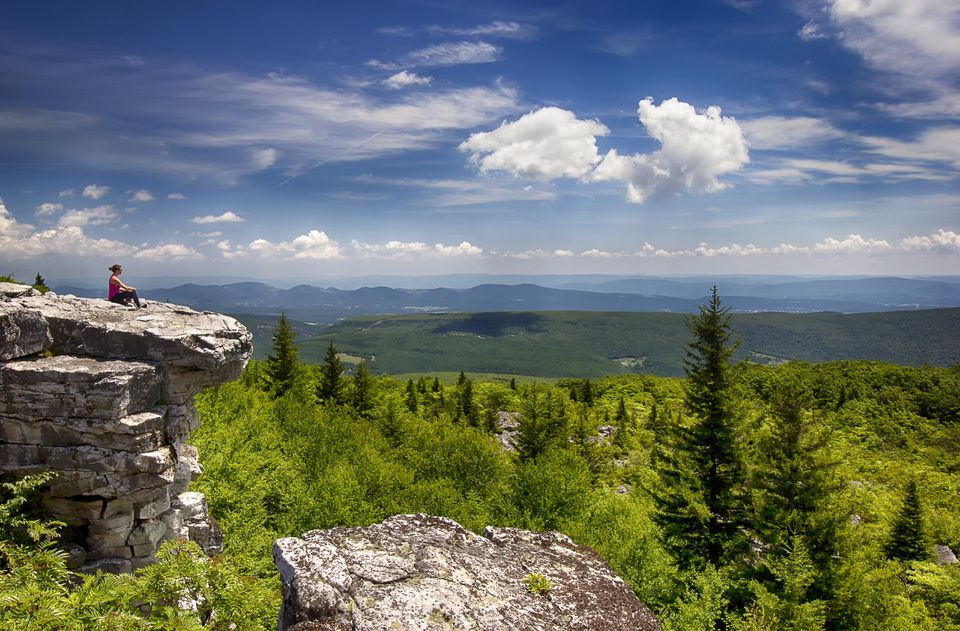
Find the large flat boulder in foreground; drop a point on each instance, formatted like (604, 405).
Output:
(419, 572)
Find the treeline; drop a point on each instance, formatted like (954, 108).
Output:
(740, 497)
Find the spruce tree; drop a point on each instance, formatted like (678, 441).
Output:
(702, 498)
(362, 394)
(331, 377)
(542, 421)
(907, 539)
(283, 365)
(411, 396)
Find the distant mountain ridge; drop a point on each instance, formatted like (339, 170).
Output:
(328, 304)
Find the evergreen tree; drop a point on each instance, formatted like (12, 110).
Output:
(331, 377)
(793, 477)
(702, 501)
(513, 383)
(283, 365)
(40, 284)
(907, 539)
(411, 396)
(541, 423)
(586, 392)
(622, 423)
(362, 394)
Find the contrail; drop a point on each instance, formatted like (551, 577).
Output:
(333, 157)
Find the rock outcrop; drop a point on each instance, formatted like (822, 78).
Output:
(103, 396)
(422, 572)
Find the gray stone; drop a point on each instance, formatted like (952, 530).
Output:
(110, 566)
(109, 410)
(945, 556)
(421, 572)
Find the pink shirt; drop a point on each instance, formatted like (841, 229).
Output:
(113, 287)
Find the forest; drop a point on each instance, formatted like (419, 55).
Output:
(740, 496)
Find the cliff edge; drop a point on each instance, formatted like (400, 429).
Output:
(103, 396)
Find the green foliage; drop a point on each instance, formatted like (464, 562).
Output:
(907, 538)
(542, 421)
(361, 394)
(331, 377)
(537, 583)
(282, 367)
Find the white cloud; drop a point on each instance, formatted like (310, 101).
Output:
(404, 79)
(779, 132)
(227, 217)
(169, 252)
(67, 193)
(811, 31)
(88, 216)
(95, 192)
(945, 106)
(547, 143)
(264, 158)
(140, 196)
(507, 30)
(540, 253)
(18, 240)
(464, 249)
(796, 171)
(446, 54)
(940, 144)
(919, 38)
(595, 253)
(944, 241)
(48, 209)
(177, 196)
(133, 60)
(313, 245)
(696, 148)
(851, 245)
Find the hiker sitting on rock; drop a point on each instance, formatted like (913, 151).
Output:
(120, 293)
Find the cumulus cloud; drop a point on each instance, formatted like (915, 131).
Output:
(227, 217)
(46, 209)
(67, 193)
(540, 253)
(169, 252)
(177, 196)
(811, 31)
(465, 248)
(695, 149)
(88, 216)
(548, 143)
(780, 132)
(18, 240)
(405, 79)
(313, 245)
(408, 250)
(95, 192)
(852, 244)
(944, 241)
(140, 196)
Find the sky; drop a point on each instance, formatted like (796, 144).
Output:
(311, 139)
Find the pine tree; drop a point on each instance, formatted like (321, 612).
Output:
(40, 284)
(331, 377)
(541, 423)
(283, 366)
(793, 477)
(411, 396)
(586, 392)
(907, 539)
(702, 499)
(362, 393)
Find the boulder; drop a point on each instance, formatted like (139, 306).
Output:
(103, 395)
(945, 555)
(423, 572)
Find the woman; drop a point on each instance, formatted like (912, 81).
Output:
(120, 293)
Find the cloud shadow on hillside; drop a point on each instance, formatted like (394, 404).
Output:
(492, 324)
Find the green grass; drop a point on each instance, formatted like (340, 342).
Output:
(593, 344)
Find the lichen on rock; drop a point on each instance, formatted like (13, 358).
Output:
(424, 572)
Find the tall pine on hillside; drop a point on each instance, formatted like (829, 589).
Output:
(283, 364)
(701, 499)
(908, 540)
(331, 377)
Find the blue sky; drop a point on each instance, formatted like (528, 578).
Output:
(308, 139)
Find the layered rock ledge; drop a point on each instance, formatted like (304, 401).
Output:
(103, 396)
(419, 572)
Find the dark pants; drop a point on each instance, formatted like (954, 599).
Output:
(124, 297)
